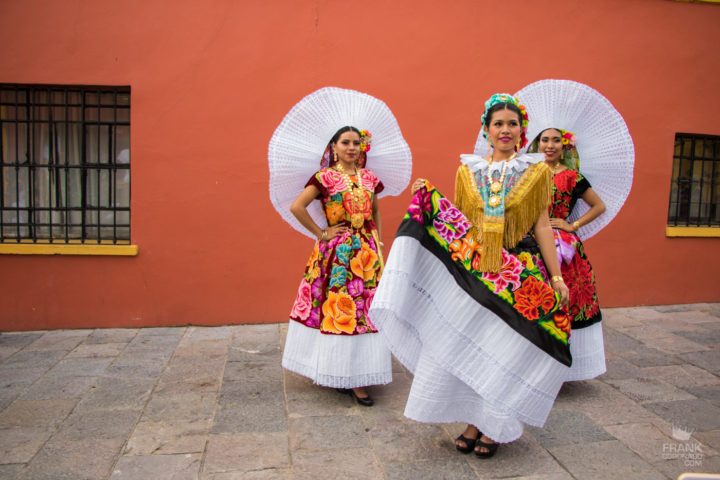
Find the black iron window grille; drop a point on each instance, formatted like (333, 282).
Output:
(65, 171)
(695, 188)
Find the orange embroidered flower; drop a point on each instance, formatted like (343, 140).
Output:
(532, 295)
(338, 313)
(363, 265)
(462, 248)
(335, 212)
(313, 257)
(562, 321)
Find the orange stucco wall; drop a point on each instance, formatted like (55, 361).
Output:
(211, 81)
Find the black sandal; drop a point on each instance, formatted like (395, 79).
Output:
(491, 447)
(469, 444)
(364, 401)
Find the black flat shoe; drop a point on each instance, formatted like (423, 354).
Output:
(469, 444)
(491, 447)
(364, 401)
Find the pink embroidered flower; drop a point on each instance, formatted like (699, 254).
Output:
(313, 320)
(302, 306)
(356, 287)
(368, 180)
(420, 203)
(450, 223)
(317, 287)
(564, 245)
(509, 273)
(333, 181)
(360, 307)
(368, 295)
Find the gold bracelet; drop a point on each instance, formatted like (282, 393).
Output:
(324, 235)
(576, 225)
(556, 278)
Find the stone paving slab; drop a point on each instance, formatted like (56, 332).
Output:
(213, 403)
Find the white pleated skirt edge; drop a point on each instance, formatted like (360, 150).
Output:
(337, 361)
(588, 353)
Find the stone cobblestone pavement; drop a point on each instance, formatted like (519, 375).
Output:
(213, 403)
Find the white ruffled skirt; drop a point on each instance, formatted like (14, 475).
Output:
(337, 361)
(468, 364)
(588, 353)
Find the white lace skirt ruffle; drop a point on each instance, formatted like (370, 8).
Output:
(588, 353)
(469, 365)
(338, 361)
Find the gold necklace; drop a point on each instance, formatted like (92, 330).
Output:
(557, 168)
(356, 217)
(495, 187)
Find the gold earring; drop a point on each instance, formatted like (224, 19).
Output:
(489, 146)
(335, 153)
(517, 147)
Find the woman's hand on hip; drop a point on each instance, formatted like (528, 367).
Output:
(335, 231)
(561, 224)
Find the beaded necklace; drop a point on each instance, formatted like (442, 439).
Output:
(356, 217)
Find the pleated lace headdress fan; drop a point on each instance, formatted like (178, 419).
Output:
(297, 146)
(604, 144)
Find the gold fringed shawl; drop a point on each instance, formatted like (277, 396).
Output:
(527, 199)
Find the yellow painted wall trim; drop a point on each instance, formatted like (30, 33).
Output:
(692, 231)
(66, 249)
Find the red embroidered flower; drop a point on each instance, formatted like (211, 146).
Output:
(532, 295)
(578, 278)
(559, 210)
(565, 180)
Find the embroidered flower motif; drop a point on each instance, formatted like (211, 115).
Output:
(527, 259)
(532, 295)
(363, 265)
(369, 294)
(333, 181)
(564, 245)
(420, 203)
(579, 276)
(565, 180)
(509, 273)
(462, 248)
(359, 307)
(368, 180)
(338, 276)
(313, 320)
(338, 313)
(335, 212)
(559, 210)
(343, 252)
(562, 321)
(317, 287)
(302, 306)
(356, 287)
(449, 222)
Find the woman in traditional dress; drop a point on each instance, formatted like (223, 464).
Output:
(569, 185)
(467, 302)
(330, 338)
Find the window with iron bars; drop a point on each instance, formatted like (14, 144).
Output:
(65, 171)
(695, 187)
